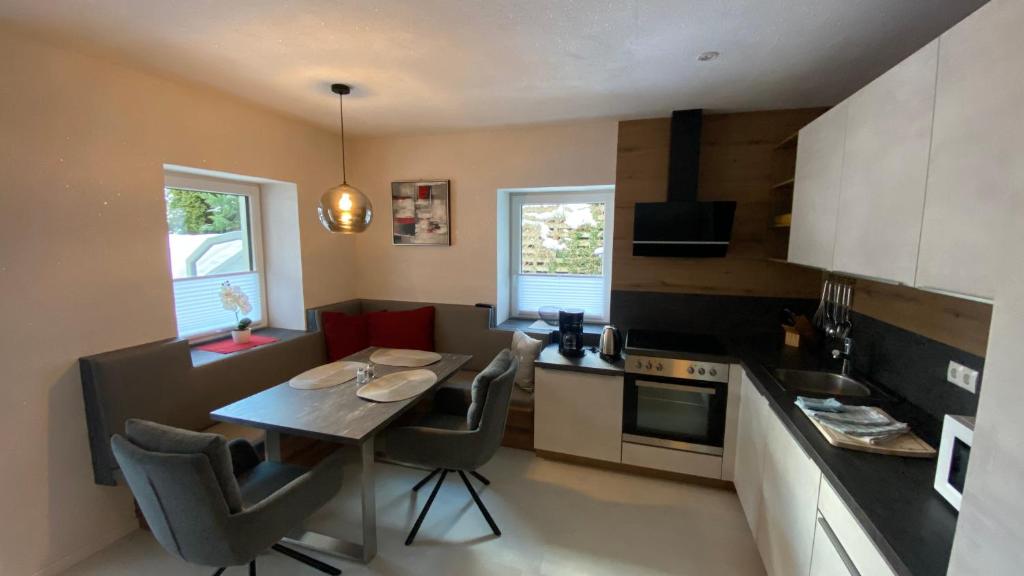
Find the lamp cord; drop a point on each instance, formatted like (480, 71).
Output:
(341, 110)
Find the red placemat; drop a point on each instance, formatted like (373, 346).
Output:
(227, 346)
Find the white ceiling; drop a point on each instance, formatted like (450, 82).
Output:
(420, 65)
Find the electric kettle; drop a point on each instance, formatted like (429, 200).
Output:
(610, 346)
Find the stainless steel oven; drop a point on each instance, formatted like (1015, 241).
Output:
(673, 403)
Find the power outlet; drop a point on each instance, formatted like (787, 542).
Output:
(963, 377)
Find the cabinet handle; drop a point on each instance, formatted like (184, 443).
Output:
(838, 546)
(677, 388)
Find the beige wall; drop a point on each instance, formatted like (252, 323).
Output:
(478, 163)
(84, 262)
(990, 529)
(991, 524)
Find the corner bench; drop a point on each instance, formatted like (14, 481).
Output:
(160, 381)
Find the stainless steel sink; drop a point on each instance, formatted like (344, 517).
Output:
(821, 383)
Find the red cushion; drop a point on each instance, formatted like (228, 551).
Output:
(344, 334)
(412, 329)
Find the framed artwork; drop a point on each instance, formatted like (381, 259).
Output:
(420, 212)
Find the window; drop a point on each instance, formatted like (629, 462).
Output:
(214, 238)
(560, 251)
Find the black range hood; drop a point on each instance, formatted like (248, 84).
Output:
(683, 227)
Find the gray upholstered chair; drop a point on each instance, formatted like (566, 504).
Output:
(215, 504)
(447, 442)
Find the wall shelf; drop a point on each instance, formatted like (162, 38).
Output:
(784, 185)
(782, 220)
(788, 141)
(783, 175)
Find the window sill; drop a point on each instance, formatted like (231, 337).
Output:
(525, 324)
(203, 357)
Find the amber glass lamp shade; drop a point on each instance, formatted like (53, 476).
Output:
(345, 209)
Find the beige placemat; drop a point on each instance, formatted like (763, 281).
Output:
(327, 375)
(404, 358)
(398, 386)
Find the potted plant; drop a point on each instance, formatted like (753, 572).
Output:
(242, 333)
(234, 299)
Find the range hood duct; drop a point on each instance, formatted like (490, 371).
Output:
(683, 227)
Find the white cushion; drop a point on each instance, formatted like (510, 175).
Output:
(526, 350)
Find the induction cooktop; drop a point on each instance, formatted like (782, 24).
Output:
(674, 344)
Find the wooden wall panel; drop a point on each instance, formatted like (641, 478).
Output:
(736, 164)
(960, 323)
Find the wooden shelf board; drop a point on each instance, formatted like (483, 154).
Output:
(782, 221)
(784, 184)
(788, 141)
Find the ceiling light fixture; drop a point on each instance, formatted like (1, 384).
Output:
(344, 208)
(706, 56)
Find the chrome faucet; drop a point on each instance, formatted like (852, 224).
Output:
(844, 353)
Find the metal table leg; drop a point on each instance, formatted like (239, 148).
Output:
(272, 446)
(334, 546)
(369, 489)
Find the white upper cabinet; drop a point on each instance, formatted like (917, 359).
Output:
(885, 167)
(977, 147)
(819, 171)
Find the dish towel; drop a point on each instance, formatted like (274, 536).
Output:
(819, 404)
(865, 423)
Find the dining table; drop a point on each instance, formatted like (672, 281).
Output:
(337, 415)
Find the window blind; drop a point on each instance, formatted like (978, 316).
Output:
(198, 307)
(566, 291)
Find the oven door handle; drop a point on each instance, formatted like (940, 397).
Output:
(677, 387)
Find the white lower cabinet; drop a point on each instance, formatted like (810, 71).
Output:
(859, 548)
(786, 519)
(750, 444)
(799, 522)
(672, 460)
(578, 413)
(828, 558)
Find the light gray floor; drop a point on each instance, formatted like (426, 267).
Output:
(556, 518)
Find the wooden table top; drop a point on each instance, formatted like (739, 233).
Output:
(334, 414)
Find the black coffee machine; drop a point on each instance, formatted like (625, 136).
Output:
(570, 332)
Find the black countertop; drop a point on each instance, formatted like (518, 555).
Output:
(892, 497)
(589, 362)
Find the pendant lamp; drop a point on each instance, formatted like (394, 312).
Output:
(344, 208)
